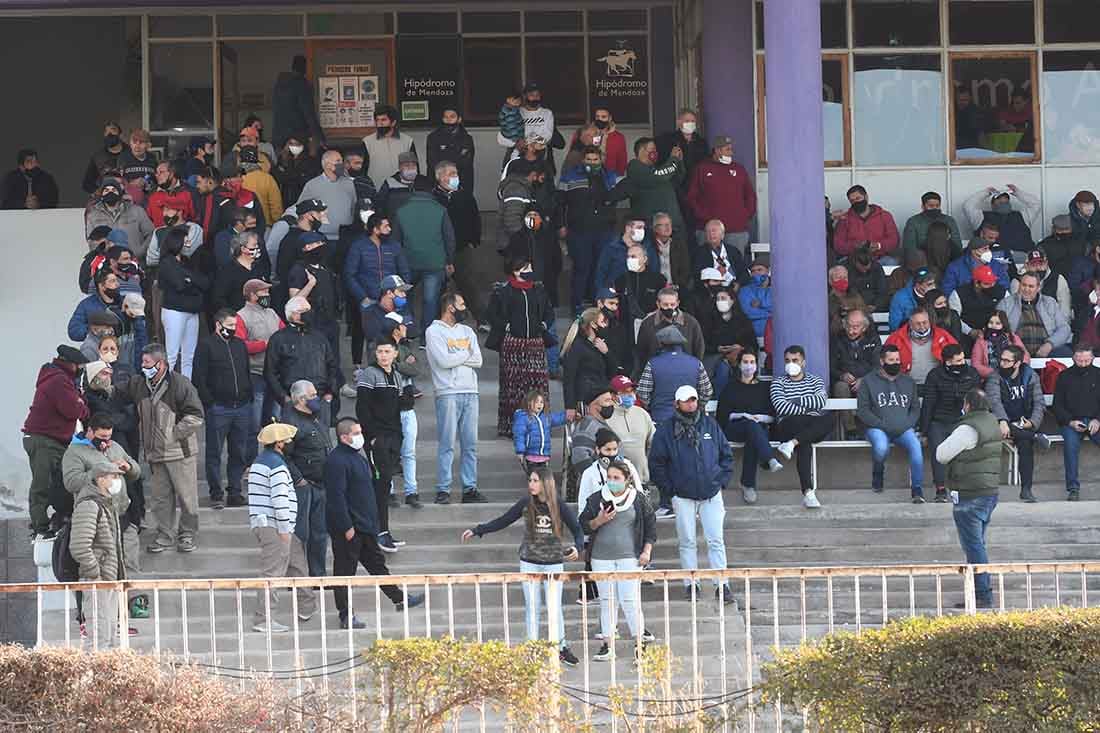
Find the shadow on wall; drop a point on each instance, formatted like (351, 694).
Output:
(39, 300)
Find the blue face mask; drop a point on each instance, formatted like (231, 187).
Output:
(759, 279)
(314, 405)
(627, 400)
(452, 183)
(400, 301)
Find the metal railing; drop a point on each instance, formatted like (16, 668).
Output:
(720, 647)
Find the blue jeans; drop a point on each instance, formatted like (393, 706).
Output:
(712, 514)
(226, 425)
(626, 595)
(311, 528)
(880, 446)
(409, 428)
(757, 448)
(456, 416)
(263, 408)
(972, 517)
(430, 283)
(533, 594)
(1070, 451)
(584, 250)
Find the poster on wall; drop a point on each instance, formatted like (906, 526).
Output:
(428, 79)
(618, 70)
(347, 101)
(327, 108)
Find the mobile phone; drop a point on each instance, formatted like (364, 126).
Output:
(608, 506)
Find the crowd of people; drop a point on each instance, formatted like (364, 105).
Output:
(217, 299)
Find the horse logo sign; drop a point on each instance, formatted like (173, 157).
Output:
(620, 62)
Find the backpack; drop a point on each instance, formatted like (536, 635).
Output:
(1050, 374)
(65, 568)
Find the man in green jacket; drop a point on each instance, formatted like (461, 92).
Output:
(972, 453)
(915, 234)
(652, 188)
(424, 229)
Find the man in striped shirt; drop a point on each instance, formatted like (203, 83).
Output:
(799, 401)
(272, 514)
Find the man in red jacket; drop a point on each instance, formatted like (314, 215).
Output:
(49, 429)
(866, 222)
(921, 346)
(721, 189)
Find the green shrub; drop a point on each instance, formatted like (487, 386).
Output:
(1013, 672)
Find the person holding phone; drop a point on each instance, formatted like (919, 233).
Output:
(544, 548)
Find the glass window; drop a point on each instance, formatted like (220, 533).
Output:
(1071, 21)
(898, 110)
(553, 21)
(495, 63)
(180, 26)
(259, 25)
(557, 64)
(427, 23)
(834, 24)
(835, 111)
(974, 22)
(351, 24)
(1071, 106)
(897, 23)
(616, 20)
(993, 112)
(181, 86)
(490, 22)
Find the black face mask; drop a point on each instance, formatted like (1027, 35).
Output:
(128, 269)
(315, 225)
(111, 198)
(306, 318)
(607, 411)
(110, 141)
(860, 206)
(100, 444)
(111, 293)
(955, 369)
(892, 370)
(316, 255)
(609, 314)
(602, 124)
(264, 301)
(170, 221)
(1062, 236)
(1006, 372)
(460, 315)
(669, 313)
(932, 213)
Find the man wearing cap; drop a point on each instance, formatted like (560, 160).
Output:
(175, 211)
(619, 333)
(716, 253)
(256, 323)
(721, 189)
(976, 300)
(587, 223)
(49, 427)
(386, 143)
(869, 223)
(691, 462)
(452, 143)
(392, 298)
(632, 424)
(98, 243)
(1014, 224)
(273, 515)
(427, 236)
(911, 297)
(310, 278)
(668, 313)
(398, 185)
(1063, 246)
(1050, 283)
(1084, 216)
(700, 300)
(334, 188)
(979, 252)
(372, 257)
(312, 217)
(668, 370)
(111, 209)
(1037, 319)
(639, 284)
(242, 219)
(100, 324)
(302, 352)
(538, 124)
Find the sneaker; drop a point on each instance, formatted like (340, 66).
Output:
(647, 636)
(978, 603)
(83, 630)
(303, 617)
(688, 592)
(418, 393)
(413, 500)
(589, 600)
(774, 465)
(941, 496)
(604, 654)
(396, 542)
(876, 489)
(395, 503)
(355, 623)
(567, 657)
(185, 545)
(473, 496)
(348, 392)
(918, 498)
(412, 600)
(442, 497)
(599, 636)
(666, 512)
(748, 493)
(484, 328)
(1027, 497)
(1042, 440)
(421, 347)
(275, 627)
(139, 606)
(1074, 495)
(809, 500)
(725, 598)
(785, 449)
(236, 500)
(157, 548)
(386, 544)
(217, 503)
(131, 631)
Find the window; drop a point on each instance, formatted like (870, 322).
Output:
(835, 110)
(896, 23)
(180, 26)
(993, 111)
(181, 86)
(490, 22)
(1071, 21)
(976, 22)
(350, 24)
(898, 110)
(616, 20)
(427, 23)
(834, 24)
(259, 25)
(553, 21)
(495, 63)
(557, 64)
(1071, 106)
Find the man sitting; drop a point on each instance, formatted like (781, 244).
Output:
(1077, 407)
(961, 270)
(1037, 319)
(911, 297)
(799, 401)
(920, 344)
(889, 409)
(1050, 283)
(1016, 400)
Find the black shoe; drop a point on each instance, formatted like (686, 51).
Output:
(473, 497)
(1074, 495)
(918, 498)
(236, 500)
(355, 622)
(412, 600)
(397, 542)
(941, 496)
(698, 592)
(217, 503)
(442, 497)
(726, 598)
(385, 543)
(876, 489)
(1027, 497)
(604, 654)
(567, 657)
(395, 503)
(647, 636)
(413, 500)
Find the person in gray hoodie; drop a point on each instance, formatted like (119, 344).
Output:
(888, 407)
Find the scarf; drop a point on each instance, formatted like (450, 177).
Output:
(519, 284)
(686, 428)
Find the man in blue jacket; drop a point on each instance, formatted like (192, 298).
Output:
(371, 259)
(909, 298)
(692, 462)
(961, 270)
(352, 516)
(613, 260)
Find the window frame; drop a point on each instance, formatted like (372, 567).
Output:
(1030, 55)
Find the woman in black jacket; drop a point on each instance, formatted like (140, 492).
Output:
(724, 325)
(182, 290)
(585, 357)
(745, 413)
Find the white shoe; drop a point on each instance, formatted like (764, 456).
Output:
(809, 500)
(276, 627)
(348, 392)
(774, 465)
(748, 493)
(785, 449)
(666, 514)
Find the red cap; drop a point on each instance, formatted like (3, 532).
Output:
(621, 383)
(984, 274)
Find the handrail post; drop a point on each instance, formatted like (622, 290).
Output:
(556, 634)
(969, 590)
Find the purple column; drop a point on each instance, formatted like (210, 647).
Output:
(727, 73)
(796, 179)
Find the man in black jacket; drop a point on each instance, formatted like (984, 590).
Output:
(1016, 400)
(944, 390)
(220, 375)
(305, 456)
(867, 279)
(294, 110)
(450, 142)
(28, 186)
(1077, 407)
(586, 221)
(299, 352)
(854, 355)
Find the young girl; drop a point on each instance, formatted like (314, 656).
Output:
(542, 549)
(531, 427)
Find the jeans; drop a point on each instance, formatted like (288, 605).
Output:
(758, 450)
(431, 286)
(584, 251)
(1071, 449)
(409, 429)
(626, 593)
(880, 447)
(937, 433)
(456, 415)
(972, 517)
(228, 425)
(711, 513)
(263, 409)
(181, 336)
(533, 593)
(311, 528)
(807, 429)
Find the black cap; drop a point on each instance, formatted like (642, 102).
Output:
(71, 355)
(597, 392)
(100, 232)
(304, 207)
(531, 86)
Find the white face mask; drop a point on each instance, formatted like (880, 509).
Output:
(986, 257)
(723, 305)
(357, 441)
(725, 159)
(633, 264)
(115, 487)
(1093, 297)
(295, 150)
(792, 369)
(637, 234)
(688, 128)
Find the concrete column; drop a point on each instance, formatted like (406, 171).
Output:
(796, 179)
(727, 73)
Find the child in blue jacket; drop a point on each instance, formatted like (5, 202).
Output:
(510, 120)
(531, 427)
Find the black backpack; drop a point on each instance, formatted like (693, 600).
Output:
(65, 568)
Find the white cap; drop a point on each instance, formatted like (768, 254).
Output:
(395, 316)
(710, 273)
(685, 393)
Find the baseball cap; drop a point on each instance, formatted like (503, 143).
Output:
(1062, 221)
(531, 86)
(621, 383)
(685, 393)
(721, 141)
(923, 275)
(606, 294)
(984, 274)
(119, 237)
(311, 237)
(394, 282)
(407, 157)
(1036, 255)
(304, 207)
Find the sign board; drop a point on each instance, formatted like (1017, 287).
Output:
(357, 69)
(428, 78)
(347, 101)
(618, 70)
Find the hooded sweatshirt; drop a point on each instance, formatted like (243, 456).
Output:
(57, 404)
(890, 405)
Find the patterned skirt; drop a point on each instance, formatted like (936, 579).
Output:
(522, 369)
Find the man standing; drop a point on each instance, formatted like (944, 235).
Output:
(451, 142)
(456, 196)
(300, 352)
(667, 373)
(1016, 400)
(721, 189)
(28, 186)
(944, 390)
(587, 222)
(352, 517)
(692, 463)
(256, 323)
(386, 144)
(110, 209)
(306, 456)
(600, 407)
(889, 408)
(312, 216)
(310, 278)
(169, 416)
(1077, 407)
(294, 109)
(1063, 245)
(392, 298)
(650, 186)
(633, 425)
(799, 401)
(453, 356)
(686, 136)
(1037, 319)
(973, 454)
(614, 257)
(336, 190)
(866, 222)
(49, 427)
(105, 159)
(668, 313)
(221, 377)
(427, 237)
(638, 286)
(915, 234)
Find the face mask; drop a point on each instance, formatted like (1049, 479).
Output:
(339, 170)
(723, 305)
(609, 314)
(171, 221)
(1002, 208)
(1093, 297)
(688, 128)
(956, 369)
(460, 315)
(748, 370)
(932, 213)
(364, 216)
(315, 255)
(109, 358)
(602, 124)
(891, 370)
(607, 412)
(314, 405)
(986, 257)
(408, 175)
(942, 311)
(725, 159)
(295, 150)
(860, 206)
(616, 487)
(111, 198)
(627, 400)
(759, 280)
(111, 293)
(533, 103)
(792, 369)
(1088, 209)
(841, 286)
(149, 372)
(264, 301)
(116, 486)
(453, 182)
(100, 444)
(527, 275)
(653, 157)
(228, 333)
(669, 313)
(588, 168)
(315, 225)
(109, 141)
(920, 334)
(400, 301)
(637, 235)
(605, 461)
(357, 442)
(633, 264)
(596, 139)
(1006, 372)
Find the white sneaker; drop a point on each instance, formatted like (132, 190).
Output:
(276, 627)
(666, 514)
(809, 500)
(774, 465)
(785, 449)
(348, 392)
(748, 493)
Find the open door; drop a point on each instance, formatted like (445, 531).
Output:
(229, 70)
(350, 78)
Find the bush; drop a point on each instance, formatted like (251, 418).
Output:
(1027, 671)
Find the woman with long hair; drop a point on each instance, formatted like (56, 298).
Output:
(994, 338)
(584, 355)
(183, 288)
(544, 548)
(745, 413)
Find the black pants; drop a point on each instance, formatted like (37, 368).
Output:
(347, 555)
(807, 430)
(385, 457)
(1025, 449)
(355, 326)
(937, 433)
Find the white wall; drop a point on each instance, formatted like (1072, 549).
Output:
(45, 249)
